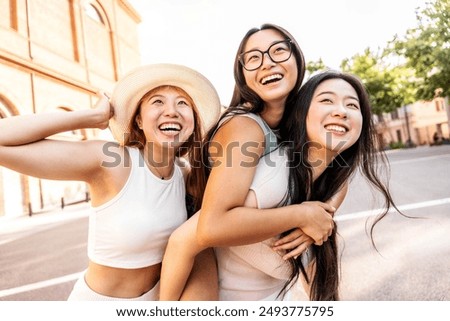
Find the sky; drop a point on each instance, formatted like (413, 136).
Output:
(205, 34)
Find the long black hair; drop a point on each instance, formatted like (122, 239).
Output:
(245, 100)
(244, 96)
(363, 154)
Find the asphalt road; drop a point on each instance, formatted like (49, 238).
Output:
(413, 258)
(41, 256)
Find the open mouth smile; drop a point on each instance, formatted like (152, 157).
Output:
(336, 128)
(271, 79)
(170, 128)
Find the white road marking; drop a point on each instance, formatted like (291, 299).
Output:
(343, 217)
(40, 285)
(406, 207)
(420, 159)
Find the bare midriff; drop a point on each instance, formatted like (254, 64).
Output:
(122, 283)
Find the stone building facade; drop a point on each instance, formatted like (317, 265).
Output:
(55, 55)
(415, 124)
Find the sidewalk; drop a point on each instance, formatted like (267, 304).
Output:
(25, 222)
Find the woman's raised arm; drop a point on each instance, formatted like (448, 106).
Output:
(24, 146)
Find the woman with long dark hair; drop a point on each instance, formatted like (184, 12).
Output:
(322, 161)
(247, 170)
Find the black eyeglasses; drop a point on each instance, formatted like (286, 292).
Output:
(279, 51)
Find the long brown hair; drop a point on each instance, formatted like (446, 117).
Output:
(244, 96)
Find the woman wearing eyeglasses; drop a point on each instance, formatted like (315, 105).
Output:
(241, 208)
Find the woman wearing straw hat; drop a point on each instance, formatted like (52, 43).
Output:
(137, 188)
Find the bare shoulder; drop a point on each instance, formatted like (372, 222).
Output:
(239, 141)
(240, 128)
(113, 160)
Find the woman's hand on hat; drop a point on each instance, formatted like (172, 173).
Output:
(103, 111)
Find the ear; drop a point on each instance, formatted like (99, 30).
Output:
(138, 120)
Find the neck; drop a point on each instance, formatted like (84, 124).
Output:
(159, 161)
(319, 159)
(272, 114)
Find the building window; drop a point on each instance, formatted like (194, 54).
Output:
(394, 114)
(100, 58)
(5, 110)
(439, 103)
(93, 13)
(2, 108)
(399, 136)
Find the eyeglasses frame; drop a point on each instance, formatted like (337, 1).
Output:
(287, 40)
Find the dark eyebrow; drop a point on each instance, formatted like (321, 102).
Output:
(157, 96)
(352, 97)
(325, 93)
(332, 93)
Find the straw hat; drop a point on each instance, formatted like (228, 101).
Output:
(135, 84)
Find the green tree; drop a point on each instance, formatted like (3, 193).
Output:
(427, 49)
(314, 66)
(389, 87)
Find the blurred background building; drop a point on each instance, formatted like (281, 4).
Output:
(55, 55)
(421, 123)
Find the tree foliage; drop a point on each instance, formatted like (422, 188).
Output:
(412, 67)
(427, 49)
(315, 66)
(388, 87)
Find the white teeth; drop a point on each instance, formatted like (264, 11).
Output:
(171, 126)
(267, 79)
(336, 128)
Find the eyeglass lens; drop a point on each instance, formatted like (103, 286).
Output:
(278, 52)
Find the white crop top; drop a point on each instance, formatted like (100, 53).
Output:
(132, 229)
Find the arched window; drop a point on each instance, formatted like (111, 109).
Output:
(2, 109)
(14, 192)
(98, 42)
(92, 12)
(6, 108)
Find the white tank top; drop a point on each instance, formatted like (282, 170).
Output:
(255, 272)
(132, 229)
(271, 176)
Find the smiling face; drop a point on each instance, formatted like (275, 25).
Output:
(166, 116)
(272, 81)
(334, 120)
